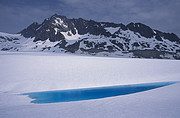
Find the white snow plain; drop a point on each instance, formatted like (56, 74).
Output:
(22, 72)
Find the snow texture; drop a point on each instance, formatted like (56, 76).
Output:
(23, 72)
(112, 30)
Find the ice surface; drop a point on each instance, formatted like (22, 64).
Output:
(24, 72)
(92, 93)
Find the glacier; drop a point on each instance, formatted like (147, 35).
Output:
(24, 72)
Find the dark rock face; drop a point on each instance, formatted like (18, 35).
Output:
(73, 47)
(154, 54)
(148, 54)
(120, 45)
(94, 47)
(69, 48)
(31, 30)
(91, 27)
(141, 29)
(170, 36)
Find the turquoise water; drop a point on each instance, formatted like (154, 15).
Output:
(91, 93)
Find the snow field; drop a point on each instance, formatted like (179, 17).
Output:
(31, 72)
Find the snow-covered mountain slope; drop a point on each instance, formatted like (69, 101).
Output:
(60, 34)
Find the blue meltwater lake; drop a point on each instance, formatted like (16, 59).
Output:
(91, 93)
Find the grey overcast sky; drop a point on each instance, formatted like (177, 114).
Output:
(163, 15)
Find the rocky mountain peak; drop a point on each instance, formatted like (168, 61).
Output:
(50, 29)
(54, 27)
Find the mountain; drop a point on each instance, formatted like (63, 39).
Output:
(80, 36)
